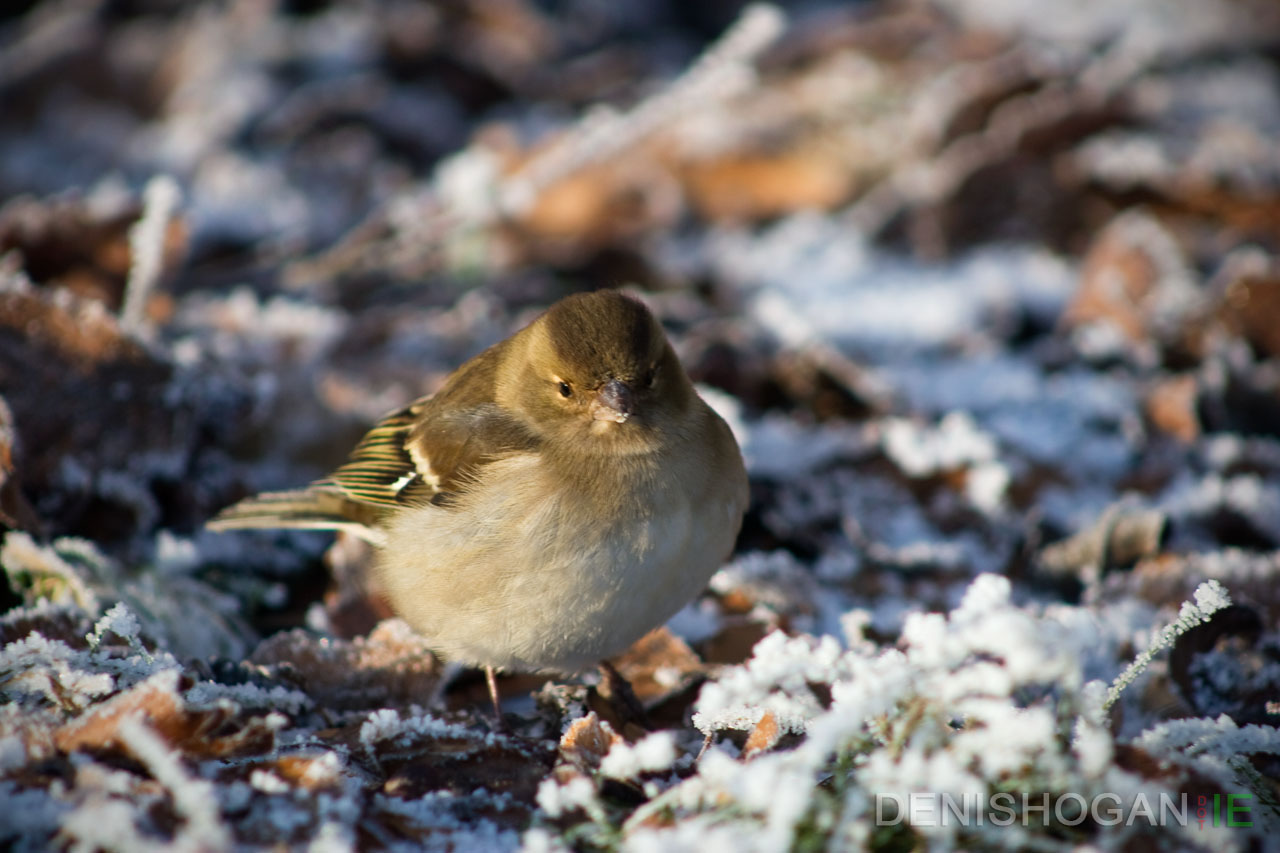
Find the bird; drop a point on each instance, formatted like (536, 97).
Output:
(563, 493)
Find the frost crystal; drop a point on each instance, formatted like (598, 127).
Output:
(1210, 597)
(193, 798)
(47, 573)
(121, 621)
(557, 800)
(776, 679)
(655, 752)
(386, 724)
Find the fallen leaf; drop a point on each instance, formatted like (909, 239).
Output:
(587, 741)
(1171, 406)
(393, 667)
(156, 700)
(763, 737)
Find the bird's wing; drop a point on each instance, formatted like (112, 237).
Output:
(425, 452)
(380, 469)
(302, 509)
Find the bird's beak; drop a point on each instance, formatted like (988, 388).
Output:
(613, 402)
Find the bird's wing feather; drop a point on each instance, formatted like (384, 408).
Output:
(381, 468)
(301, 509)
(425, 452)
(428, 452)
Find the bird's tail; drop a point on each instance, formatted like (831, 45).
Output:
(301, 509)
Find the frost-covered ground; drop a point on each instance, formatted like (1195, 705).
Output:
(989, 292)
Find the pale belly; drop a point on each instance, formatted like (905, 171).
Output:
(524, 584)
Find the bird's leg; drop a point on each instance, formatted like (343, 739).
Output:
(491, 679)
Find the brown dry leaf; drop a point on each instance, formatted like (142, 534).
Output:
(600, 205)
(1171, 406)
(1251, 306)
(67, 624)
(733, 643)
(763, 737)
(63, 363)
(198, 733)
(1123, 275)
(412, 765)
(748, 187)
(156, 700)
(587, 741)
(353, 604)
(257, 736)
(79, 244)
(78, 332)
(658, 665)
(313, 774)
(507, 35)
(736, 602)
(15, 510)
(1119, 538)
(1162, 581)
(391, 668)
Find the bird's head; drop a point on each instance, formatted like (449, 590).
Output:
(599, 370)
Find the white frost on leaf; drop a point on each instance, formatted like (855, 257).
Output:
(387, 724)
(577, 793)
(776, 679)
(655, 752)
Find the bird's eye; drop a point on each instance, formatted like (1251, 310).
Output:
(565, 390)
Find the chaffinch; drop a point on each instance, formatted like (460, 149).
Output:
(562, 494)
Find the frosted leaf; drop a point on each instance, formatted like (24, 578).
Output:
(779, 448)
(333, 837)
(209, 693)
(13, 753)
(106, 824)
(175, 554)
(193, 798)
(775, 579)
(776, 680)
(557, 800)
(467, 184)
(987, 593)
(29, 814)
(387, 724)
(1093, 747)
(921, 451)
(268, 783)
(122, 622)
(698, 620)
(45, 571)
(36, 665)
(1220, 738)
(986, 486)
(539, 840)
(655, 752)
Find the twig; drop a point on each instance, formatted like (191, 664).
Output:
(410, 229)
(1063, 95)
(146, 244)
(1210, 597)
(721, 72)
